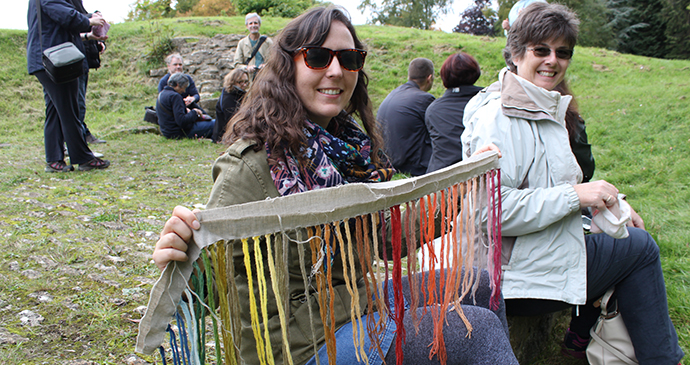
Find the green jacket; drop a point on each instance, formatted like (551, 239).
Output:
(242, 175)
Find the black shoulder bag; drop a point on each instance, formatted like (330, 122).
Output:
(261, 41)
(64, 62)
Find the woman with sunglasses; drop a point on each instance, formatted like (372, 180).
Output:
(235, 86)
(549, 263)
(295, 132)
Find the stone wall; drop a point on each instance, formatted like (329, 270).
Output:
(207, 60)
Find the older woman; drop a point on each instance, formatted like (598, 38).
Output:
(550, 263)
(294, 124)
(234, 87)
(443, 116)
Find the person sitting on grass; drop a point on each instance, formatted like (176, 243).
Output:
(174, 118)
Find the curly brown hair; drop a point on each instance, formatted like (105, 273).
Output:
(272, 111)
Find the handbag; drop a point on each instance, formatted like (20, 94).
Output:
(151, 115)
(610, 344)
(64, 62)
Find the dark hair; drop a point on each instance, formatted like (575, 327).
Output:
(540, 22)
(420, 68)
(272, 111)
(460, 69)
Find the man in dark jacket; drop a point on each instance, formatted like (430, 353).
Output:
(174, 118)
(190, 95)
(401, 118)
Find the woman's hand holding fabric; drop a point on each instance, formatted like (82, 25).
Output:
(172, 244)
(598, 194)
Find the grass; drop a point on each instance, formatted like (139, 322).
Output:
(89, 235)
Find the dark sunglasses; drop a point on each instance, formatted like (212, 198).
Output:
(564, 54)
(319, 58)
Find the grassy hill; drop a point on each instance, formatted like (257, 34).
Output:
(77, 245)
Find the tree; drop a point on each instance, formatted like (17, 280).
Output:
(421, 14)
(286, 8)
(677, 15)
(595, 28)
(185, 6)
(477, 19)
(639, 27)
(212, 8)
(150, 9)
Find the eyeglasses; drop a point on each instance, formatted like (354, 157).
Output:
(564, 54)
(319, 58)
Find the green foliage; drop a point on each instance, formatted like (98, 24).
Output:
(420, 14)
(151, 9)
(677, 15)
(185, 6)
(595, 30)
(159, 41)
(639, 27)
(276, 8)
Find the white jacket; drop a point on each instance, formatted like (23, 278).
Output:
(544, 252)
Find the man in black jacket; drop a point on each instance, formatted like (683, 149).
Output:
(401, 118)
(174, 118)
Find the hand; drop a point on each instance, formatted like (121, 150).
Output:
(198, 112)
(188, 100)
(251, 68)
(598, 194)
(487, 148)
(96, 20)
(636, 220)
(172, 245)
(92, 37)
(506, 24)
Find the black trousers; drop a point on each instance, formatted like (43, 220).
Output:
(62, 123)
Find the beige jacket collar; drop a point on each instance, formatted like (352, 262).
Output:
(522, 99)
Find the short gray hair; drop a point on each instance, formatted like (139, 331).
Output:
(251, 15)
(169, 59)
(178, 79)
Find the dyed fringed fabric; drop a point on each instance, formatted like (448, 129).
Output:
(361, 225)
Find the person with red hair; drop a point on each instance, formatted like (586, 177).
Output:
(443, 117)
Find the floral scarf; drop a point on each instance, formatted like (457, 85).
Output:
(330, 160)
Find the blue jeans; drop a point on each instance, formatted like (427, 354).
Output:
(633, 266)
(488, 344)
(202, 129)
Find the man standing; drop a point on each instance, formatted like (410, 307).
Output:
(174, 118)
(190, 95)
(252, 50)
(401, 119)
